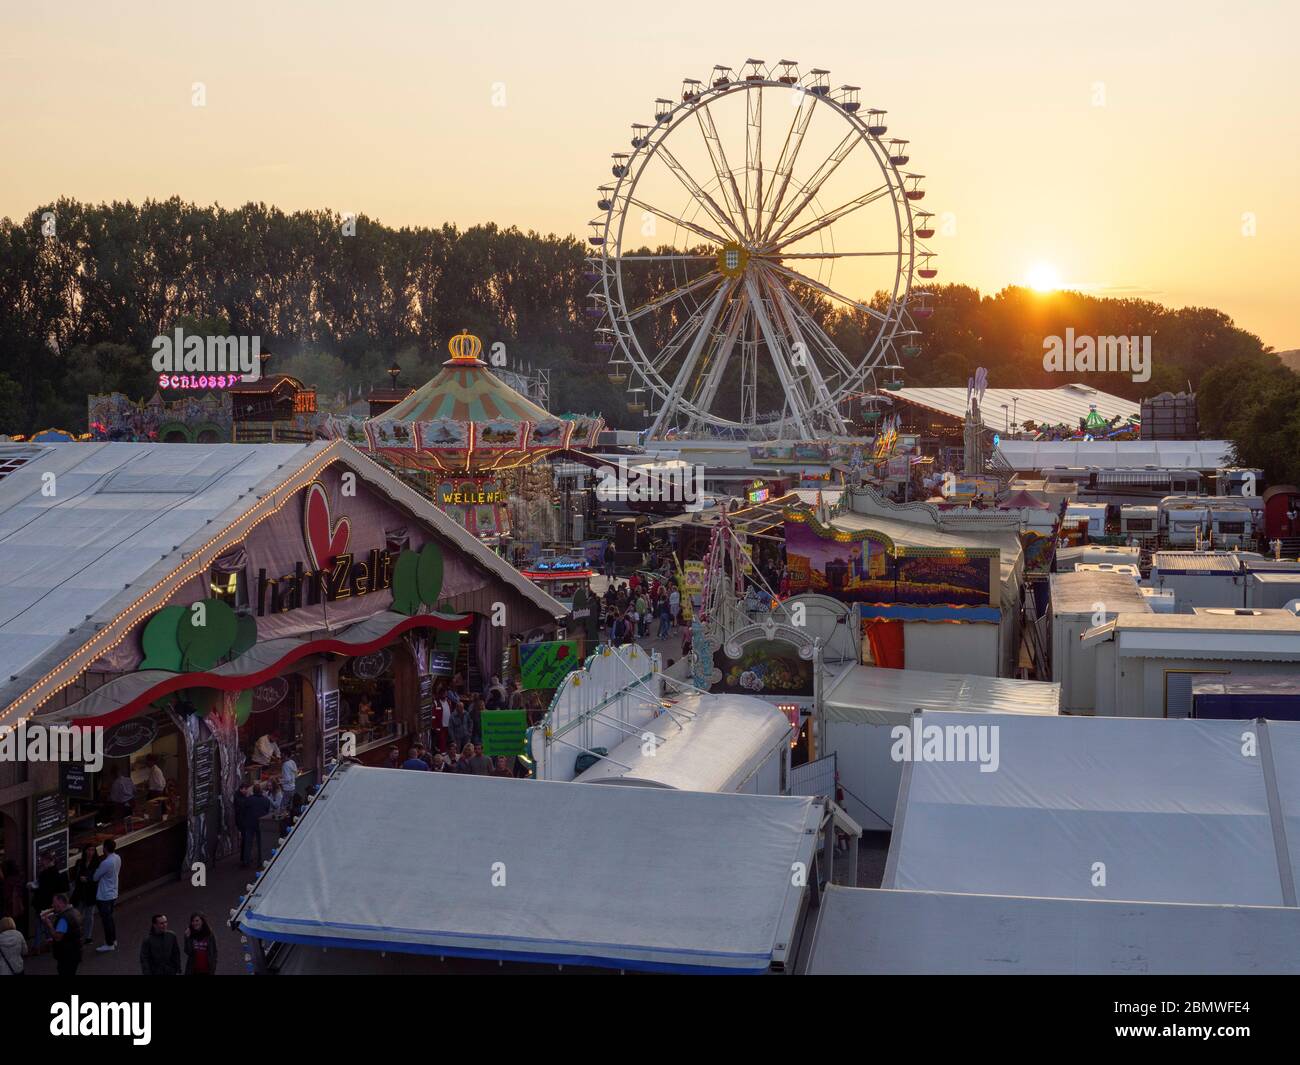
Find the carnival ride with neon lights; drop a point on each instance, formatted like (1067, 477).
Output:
(455, 436)
(744, 276)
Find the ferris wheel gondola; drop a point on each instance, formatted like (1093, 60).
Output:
(716, 254)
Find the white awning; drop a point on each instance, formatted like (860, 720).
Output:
(869, 695)
(548, 872)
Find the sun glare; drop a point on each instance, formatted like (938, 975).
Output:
(1043, 277)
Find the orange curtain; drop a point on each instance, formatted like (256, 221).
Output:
(885, 639)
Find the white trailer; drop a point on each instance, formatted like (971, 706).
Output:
(1094, 514)
(1067, 558)
(1199, 578)
(1139, 522)
(1271, 590)
(1080, 601)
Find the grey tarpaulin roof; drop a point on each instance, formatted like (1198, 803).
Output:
(128, 514)
(117, 510)
(1106, 808)
(707, 743)
(872, 696)
(860, 930)
(1045, 406)
(631, 878)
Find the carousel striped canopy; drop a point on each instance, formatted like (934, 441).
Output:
(465, 391)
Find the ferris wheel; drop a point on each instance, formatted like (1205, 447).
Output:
(757, 260)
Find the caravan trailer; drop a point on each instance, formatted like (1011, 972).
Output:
(1231, 524)
(1139, 522)
(1184, 520)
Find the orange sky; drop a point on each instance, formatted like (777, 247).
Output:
(387, 108)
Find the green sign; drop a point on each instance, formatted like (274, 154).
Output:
(504, 732)
(545, 665)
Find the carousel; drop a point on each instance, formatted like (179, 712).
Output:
(466, 439)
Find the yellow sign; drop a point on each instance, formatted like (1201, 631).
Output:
(471, 499)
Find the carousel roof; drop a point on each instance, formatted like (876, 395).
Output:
(465, 390)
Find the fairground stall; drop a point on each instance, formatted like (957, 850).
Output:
(229, 614)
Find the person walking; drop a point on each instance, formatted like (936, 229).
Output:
(160, 951)
(83, 890)
(609, 559)
(675, 604)
(106, 880)
(65, 929)
(665, 618)
(50, 881)
(200, 947)
(13, 948)
(459, 728)
(250, 807)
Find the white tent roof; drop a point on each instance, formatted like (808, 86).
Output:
(634, 878)
(1046, 406)
(1037, 455)
(872, 696)
(116, 511)
(704, 743)
(860, 930)
(1166, 810)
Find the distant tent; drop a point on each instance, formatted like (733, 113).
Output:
(1023, 500)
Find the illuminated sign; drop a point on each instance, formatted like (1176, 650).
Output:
(333, 572)
(758, 492)
(472, 499)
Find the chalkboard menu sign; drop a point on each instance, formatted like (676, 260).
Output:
(331, 743)
(203, 775)
(56, 844)
(426, 704)
(440, 663)
(49, 812)
(329, 711)
(74, 781)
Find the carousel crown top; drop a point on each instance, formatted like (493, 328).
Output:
(464, 348)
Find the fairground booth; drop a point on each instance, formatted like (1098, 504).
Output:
(221, 611)
(931, 591)
(468, 440)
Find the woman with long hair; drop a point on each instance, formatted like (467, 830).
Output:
(200, 947)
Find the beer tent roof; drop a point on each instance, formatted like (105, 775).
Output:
(860, 930)
(1161, 810)
(626, 878)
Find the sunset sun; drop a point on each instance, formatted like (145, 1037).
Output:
(1043, 277)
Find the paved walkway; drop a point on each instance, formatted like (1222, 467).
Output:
(177, 899)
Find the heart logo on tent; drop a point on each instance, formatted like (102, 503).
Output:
(325, 541)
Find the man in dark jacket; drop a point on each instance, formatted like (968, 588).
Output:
(160, 953)
(250, 807)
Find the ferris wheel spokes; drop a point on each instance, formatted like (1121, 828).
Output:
(831, 217)
(826, 290)
(726, 178)
(821, 400)
(789, 152)
(832, 355)
(701, 197)
(707, 317)
(712, 277)
(699, 230)
(706, 389)
(809, 193)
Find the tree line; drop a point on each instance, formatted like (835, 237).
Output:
(84, 289)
